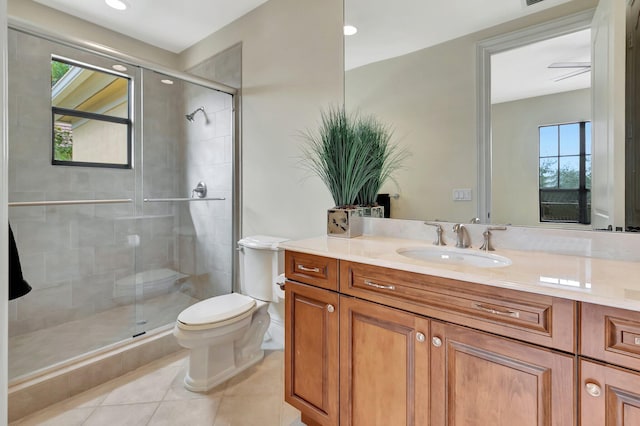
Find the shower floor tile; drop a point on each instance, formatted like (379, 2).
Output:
(154, 395)
(34, 351)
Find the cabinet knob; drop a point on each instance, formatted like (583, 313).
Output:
(593, 389)
(420, 337)
(436, 341)
(330, 308)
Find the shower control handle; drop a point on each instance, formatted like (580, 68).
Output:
(200, 190)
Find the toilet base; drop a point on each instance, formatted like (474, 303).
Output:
(211, 382)
(212, 365)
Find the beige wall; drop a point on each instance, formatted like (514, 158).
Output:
(102, 141)
(515, 150)
(291, 68)
(429, 98)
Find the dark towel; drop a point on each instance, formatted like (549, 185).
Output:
(17, 285)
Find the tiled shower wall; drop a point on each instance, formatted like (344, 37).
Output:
(73, 255)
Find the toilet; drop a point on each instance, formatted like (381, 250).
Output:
(225, 333)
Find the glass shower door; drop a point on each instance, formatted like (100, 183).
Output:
(186, 254)
(70, 206)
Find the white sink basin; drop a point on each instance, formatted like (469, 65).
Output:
(455, 256)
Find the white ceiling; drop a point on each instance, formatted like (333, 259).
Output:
(390, 28)
(386, 28)
(524, 72)
(169, 24)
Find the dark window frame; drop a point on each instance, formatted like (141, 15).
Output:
(584, 216)
(93, 116)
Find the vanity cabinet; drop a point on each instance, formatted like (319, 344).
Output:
(372, 338)
(311, 355)
(609, 366)
(609, 396)
(482, 379)
(534, 318)
(384, 365)
(408, 357)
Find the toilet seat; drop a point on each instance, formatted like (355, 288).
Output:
(216, 312)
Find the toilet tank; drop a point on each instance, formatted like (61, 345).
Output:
(261, 261)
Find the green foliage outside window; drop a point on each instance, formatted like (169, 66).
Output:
(58, 70)
(62, 143)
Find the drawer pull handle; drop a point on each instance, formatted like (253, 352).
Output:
(384, 287)
(593, 389)
(636, 341)
(506, 312)
(305, 269)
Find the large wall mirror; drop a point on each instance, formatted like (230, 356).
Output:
(458, 83)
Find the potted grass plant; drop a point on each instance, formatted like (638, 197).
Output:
(385, 159)
(338, 154)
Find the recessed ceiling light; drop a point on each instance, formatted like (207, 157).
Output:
(116, 4)
(119, 67)
(166, 81)
(350, 30)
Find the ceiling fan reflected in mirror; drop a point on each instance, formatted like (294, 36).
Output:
(577, 67)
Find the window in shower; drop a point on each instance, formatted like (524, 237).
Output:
(91, 116)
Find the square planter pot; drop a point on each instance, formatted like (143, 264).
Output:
(377, 211)
(344, 223)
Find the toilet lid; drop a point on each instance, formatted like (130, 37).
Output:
(216, 309)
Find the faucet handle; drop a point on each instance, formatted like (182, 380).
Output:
(486, 244)
(439, 241)
(474, 220)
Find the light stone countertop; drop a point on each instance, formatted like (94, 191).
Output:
(601, 281)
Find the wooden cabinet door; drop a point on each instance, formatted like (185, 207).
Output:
(384, 365)
(311, 352)
(480, 379)
(609, 396)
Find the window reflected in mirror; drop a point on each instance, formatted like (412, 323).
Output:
(565, 173)
(91, 116)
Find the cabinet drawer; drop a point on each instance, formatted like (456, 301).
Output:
(539, 319)
(611, 335)
(310, 269)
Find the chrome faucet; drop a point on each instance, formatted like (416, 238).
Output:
(439, 240)
(486, 244)
(462, 237)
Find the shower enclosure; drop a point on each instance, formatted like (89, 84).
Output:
(114, 246)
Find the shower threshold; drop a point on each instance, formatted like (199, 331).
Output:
(40, 352)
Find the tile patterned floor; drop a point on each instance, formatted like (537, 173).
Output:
(154, 395)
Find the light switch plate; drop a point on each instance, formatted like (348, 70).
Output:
(463, 194)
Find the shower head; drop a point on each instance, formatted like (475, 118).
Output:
(190, 116)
